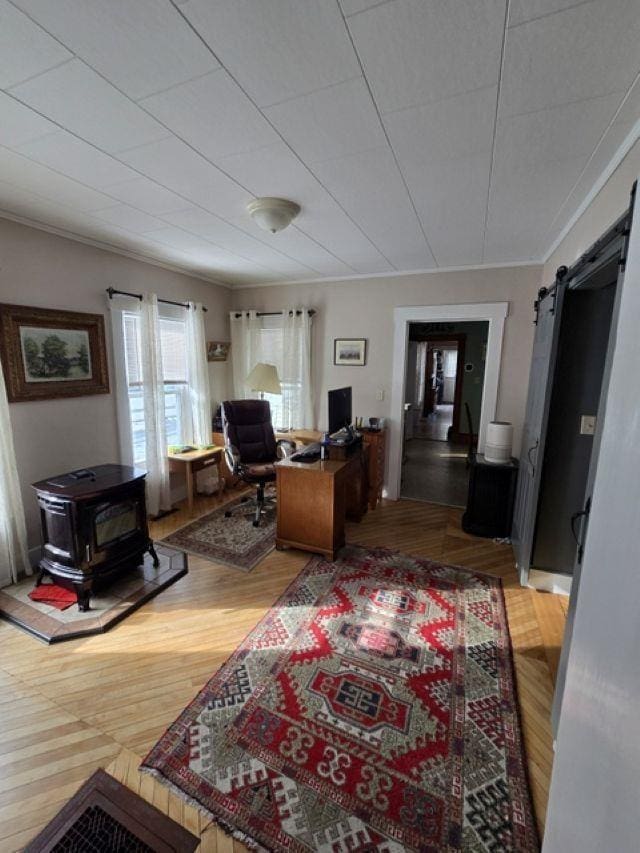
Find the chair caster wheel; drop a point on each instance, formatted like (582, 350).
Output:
(256, 523)
(227, 514)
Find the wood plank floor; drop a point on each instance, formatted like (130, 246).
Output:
(104, 701)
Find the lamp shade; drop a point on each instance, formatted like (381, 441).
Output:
(264, 377)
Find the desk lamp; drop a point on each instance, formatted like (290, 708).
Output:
(264, 378)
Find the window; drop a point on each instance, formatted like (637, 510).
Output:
(286, 408)
(174, 372)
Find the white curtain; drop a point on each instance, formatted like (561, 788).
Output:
(14, 560)
(245, 340)
(283, 339)
(297, 403)
(198, 372)
(158, 492)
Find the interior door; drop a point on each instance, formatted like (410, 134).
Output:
(549, 311)
(625, 232)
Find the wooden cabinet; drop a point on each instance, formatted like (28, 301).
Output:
(315, 498)
(311, 505)
(357, 461)
(377, 442)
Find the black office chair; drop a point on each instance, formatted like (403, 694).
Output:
(251, 449)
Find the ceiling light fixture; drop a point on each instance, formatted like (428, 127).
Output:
(273, 214)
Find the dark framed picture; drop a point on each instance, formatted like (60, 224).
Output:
(47, 353)
(217, 350)
(351, 351)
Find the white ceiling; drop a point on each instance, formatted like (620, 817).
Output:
(413, 134)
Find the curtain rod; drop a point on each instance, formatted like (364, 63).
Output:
(113, 292)
(238, 314)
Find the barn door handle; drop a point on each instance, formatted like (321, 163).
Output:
(582, 513)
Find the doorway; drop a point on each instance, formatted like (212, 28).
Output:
(444, 378)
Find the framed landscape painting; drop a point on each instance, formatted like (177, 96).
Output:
(47, 353)
(352, 351)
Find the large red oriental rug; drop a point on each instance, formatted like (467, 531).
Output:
(373, 708)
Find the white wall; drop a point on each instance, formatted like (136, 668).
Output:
(41, 269)
(594, 802)
(364, 309)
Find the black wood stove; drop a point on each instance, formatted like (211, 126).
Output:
(94, 527)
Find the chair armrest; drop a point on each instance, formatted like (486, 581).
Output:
(232, 456)
(284, 448)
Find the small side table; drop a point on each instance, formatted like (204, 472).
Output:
(492, 490)
(194, 461)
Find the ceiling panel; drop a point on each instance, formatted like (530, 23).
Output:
(538, 157)
(213, 114)
(178, 167)
(277, 49)
(77, 159)
(298, 245)
(526, 10)
(329, 225)
(18, 201)
(147, 196)
(25, 49)
(624, 123)
(141, 47)
(211, 227)
(20, 124)
(273, 170)
(577, 54)
(370, 189)
(129, 218)
(352, 7)
(415, 52)
(184, 241)
(37, 179)
(333, 122)
(444, 151)
(77, 98)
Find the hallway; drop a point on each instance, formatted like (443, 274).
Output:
(435, 471)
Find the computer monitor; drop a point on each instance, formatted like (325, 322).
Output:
(339, 409)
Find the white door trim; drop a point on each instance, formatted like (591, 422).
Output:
(493, 312)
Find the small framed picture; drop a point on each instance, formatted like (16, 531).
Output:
(351, 351)
(217, 350)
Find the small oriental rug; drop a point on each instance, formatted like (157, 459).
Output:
(232, 541)
(372, 709)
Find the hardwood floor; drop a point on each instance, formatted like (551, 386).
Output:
(104, 701)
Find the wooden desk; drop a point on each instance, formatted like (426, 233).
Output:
(311, 505)
(194, 461)
(377, 444)
(315, 498)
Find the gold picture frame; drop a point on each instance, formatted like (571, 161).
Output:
(48, 353)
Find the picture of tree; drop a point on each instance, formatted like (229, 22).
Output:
(83, 358)
(55, 354)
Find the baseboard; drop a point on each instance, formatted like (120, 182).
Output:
(549, 582)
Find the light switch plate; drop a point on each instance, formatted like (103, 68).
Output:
(587, 425)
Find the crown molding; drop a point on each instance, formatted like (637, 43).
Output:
(629, 141)
(108, 247)
(389, 274)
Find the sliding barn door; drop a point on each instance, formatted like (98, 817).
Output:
(548, 311)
